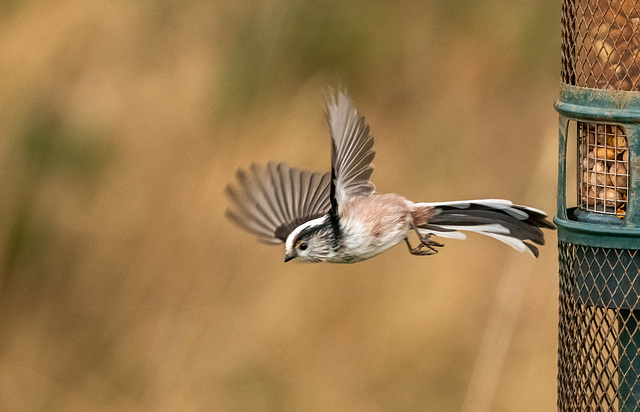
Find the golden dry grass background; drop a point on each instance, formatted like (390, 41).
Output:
(122, 286)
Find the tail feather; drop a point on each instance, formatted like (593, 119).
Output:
(517, 226)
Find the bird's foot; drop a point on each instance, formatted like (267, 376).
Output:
(425, 242)
(425, 248)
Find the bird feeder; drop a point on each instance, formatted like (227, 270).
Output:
(599, 239)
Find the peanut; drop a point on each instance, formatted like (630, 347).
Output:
(618, 176)
(610, 196)
(604, 153)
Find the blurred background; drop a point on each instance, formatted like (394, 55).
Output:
(124, 288)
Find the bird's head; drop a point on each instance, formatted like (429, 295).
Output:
(313, 241)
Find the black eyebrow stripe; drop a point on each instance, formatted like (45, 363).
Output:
(310, 230)
(283, 231)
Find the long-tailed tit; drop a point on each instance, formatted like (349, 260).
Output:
(337, 217)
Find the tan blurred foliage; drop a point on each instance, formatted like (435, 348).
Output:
(122, 287)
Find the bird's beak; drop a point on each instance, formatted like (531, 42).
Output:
(288, 258)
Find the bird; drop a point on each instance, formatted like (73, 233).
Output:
(338, 217)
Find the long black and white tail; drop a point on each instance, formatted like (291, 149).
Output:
(500, 219)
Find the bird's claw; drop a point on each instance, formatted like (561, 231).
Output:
(425, 248)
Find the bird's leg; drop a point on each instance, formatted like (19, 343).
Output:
(421, 249)
(425, 242)
(426, 239)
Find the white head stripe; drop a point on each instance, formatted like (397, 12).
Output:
(296, 231)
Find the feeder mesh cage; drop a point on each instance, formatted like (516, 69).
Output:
(600, 44)
(599, 310)
(596, 353)
(602, 168)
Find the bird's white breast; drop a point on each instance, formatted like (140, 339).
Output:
(373, 224)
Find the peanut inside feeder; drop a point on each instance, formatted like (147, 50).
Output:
(606, 44)
(602, 168)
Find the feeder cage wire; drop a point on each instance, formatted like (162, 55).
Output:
(599, 240)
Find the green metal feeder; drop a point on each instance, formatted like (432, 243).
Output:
(599, 239)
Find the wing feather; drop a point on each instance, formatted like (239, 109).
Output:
(247, 205)
(272, 201)
(274, 179)
(294, 178)
(259, 193)
(322, 185)
(351, 149)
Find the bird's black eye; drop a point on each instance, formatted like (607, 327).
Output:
(302, 246)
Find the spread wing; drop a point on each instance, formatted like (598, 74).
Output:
(272, 201)
(351, 151)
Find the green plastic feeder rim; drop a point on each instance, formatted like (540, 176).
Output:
(601, 106)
